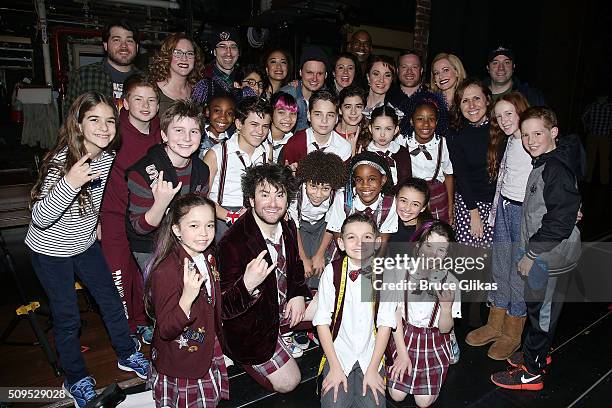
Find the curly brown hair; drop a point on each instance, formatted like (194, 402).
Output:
(159, 69)
(322, 168)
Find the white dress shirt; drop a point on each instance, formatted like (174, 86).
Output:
(335, 144)
(310, 213)
(425, 169)
(337, 214)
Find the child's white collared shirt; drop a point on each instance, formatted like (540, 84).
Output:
(338, 215)
(355, 341)
(392, 149)
(424, 168)
(310, 213)
(336, 144)
(277, 145)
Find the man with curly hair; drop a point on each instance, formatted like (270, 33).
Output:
(120, 41)
(262, 280)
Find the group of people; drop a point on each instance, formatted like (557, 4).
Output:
(225, 211)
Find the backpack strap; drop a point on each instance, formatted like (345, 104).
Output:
(223, 172)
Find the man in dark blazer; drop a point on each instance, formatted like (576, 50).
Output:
(262, 279)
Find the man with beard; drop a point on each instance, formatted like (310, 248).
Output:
(313, 71)
(120, 41)
(502, 80)
(219, 75)
(410, 90)
(262, 280)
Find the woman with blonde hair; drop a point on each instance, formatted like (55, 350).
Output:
(176, 68)
(447, 72)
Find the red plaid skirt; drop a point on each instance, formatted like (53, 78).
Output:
(438, 200)
(430, 352)
(280, 357)
(192, 393)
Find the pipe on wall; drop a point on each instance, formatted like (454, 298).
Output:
(168, 4)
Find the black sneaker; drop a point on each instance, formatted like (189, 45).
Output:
(517, 359)
(301, 340)
(518, 378)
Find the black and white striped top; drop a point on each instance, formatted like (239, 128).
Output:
(57, 228)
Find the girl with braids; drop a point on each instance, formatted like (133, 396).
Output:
(508, 309)
(430, 159)
(62, 239)
(320, 179)
(184, 298)
(369, 191)
(353, 125)
(176, 68)
(384, 127)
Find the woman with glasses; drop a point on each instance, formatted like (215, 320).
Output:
(176, 68)
(253, 77)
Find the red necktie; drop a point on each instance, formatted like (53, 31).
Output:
(354, 274)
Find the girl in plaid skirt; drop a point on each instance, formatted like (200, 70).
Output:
(422, 351)
(183, 296)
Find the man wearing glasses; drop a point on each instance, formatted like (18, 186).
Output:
(219, 76)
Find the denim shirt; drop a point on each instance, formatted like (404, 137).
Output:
(296, 92)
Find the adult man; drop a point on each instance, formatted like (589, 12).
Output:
(502, 79)
(313, 71)
(411, 89)
(120, 41)
(262, 279)
(219, 75)
(361, 45)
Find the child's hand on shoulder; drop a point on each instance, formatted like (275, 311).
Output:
(401, 366)
(80, 173)
(333, 380)
(376, 383)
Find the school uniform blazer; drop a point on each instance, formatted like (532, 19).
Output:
(251, 323)
(170, 356)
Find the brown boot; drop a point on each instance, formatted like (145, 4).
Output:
(510, 339)
(490, 331)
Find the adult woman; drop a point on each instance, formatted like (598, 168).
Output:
(346, 72)
(278, 64)
(469, 147)
(381, 72)
(447, 72)
(176, 68)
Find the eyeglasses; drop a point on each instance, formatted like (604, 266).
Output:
(179, 54)
(253, 83)
(226, 48)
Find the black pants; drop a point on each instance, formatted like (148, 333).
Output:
(543, 310)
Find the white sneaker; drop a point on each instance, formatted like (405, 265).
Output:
(293, 348)
(228, 361)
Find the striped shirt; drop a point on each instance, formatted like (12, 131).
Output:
(57, 228)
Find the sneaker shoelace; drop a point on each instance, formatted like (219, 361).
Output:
(84, 387)
(139, 359)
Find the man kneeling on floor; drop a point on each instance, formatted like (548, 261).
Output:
(262, 280)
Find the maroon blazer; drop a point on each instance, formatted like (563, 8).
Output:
(193, 359)
(295, 149)
(251, 323)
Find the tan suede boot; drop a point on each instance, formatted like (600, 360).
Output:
(510, 340)
(490, 331)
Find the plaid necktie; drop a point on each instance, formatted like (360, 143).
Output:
(388, 158)
(354, 274)
(368, 212)
(281, 273)
(422, 149)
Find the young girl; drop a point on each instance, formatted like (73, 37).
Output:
(411, 200)
(62, 239)
(469, 146)
(251, 76)
(284, 118)
(184, 297)
(508, 309)
(351, 101)
(430, 159)
(369, 191)
(422, 349)
(384, 126)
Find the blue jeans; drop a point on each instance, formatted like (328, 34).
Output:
(56, 275)
(506, 235)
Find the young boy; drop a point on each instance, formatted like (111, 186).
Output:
(139, 128)
(220, 112)
(168, 169)
(550, 239)
(228, 161)
(323, 116)
(346, 324)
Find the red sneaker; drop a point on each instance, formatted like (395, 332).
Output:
(518, 378)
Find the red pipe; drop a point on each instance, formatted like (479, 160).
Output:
(56, 36)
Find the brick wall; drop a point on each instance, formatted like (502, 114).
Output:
(421, 27)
